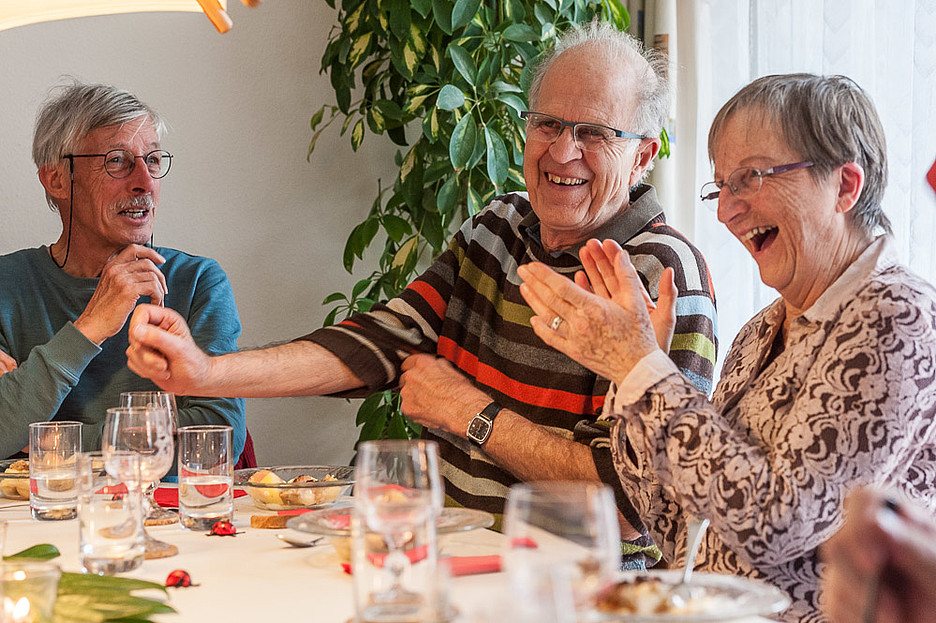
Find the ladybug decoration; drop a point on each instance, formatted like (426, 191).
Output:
(179, 579)
(222, 528)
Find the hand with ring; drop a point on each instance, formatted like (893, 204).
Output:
(612, 321)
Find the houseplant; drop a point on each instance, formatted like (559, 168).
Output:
(445, 81)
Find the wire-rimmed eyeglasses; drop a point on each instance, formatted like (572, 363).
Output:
(588, 136)
(746, 181)
(119, 163)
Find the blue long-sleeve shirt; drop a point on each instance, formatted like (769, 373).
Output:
(64, 376)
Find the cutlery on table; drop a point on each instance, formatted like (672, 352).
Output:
(298, 542)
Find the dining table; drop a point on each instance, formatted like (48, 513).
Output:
(254, 576)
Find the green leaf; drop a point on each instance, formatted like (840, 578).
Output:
(499, 86)
(431, 126)
(614, 11)
(447, 199)
(334, 297)
(411, 176)
(375, 121)
(418, 39)
(423, 7)
(88, 597)
(359, 49)
(410, 57)
(400, 18)
(43, 551)
(474, 202)
(317, 117)
(664, 144)
(463, 62)
(464, 12)
(369, 408)
(442, 12)
(396, 227)
(357, 135)
(390, 109)
(360, 287)
(514, 11)
(396, 427)
(462, 145)
(497, 163)
(513, 101)
(450, 97)
(521, 32)
(479, 148)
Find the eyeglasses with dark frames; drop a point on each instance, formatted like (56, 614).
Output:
(588, 136)
(746, 181)
(119, 163)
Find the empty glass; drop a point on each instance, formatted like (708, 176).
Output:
(560, 532)
(397, 497)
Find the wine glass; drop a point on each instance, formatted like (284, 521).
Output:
(397, 497)
(155, 514)
(147, 432)
(559, 530)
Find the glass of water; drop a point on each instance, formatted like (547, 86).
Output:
(53, 456)
(206, 476)
(110, 514)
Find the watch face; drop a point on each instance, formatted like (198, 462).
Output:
(479, 429)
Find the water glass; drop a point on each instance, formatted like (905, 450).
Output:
(397, 498)
(206, 476)
(110, 514)
(27, 591)
(558, 530)
(53, 456)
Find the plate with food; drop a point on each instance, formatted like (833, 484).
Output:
(14, 479)
(642, 597)
(289, 487)
(335, 523)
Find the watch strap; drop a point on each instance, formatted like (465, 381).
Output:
(491, 411)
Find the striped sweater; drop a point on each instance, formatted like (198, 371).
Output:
(468, 309)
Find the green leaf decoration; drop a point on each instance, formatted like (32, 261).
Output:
(95, 598)
(43, 551)
(497, 159)
(450, 97)
(461, 147)
(463, 63)
(464, 12)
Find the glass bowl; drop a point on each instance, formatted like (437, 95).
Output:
(271, 489)
(14, 479)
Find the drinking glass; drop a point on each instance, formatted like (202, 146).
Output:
(53, 455)
(560, 529)
(28, 589)
(110, 514)
(397, 497)
(156, 515)
(206, 476)
(148, 433)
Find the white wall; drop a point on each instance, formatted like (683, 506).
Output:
(240, 189)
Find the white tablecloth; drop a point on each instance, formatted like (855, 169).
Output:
(256, 577)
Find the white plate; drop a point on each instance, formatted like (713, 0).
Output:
(336, 521)
(734, 597)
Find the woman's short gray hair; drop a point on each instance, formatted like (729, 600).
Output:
(827, 120)
(654, 103)
(75, 110)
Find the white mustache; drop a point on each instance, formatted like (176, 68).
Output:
(140, 201)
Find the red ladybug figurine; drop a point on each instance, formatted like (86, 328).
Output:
(179, 579)
(222, 528)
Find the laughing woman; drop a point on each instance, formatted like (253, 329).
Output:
(831, 386)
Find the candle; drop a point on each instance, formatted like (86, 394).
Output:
(29, 591)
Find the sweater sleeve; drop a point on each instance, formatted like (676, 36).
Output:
(34, 391)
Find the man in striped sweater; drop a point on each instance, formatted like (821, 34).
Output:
(458, 340)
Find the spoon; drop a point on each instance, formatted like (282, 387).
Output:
(681, 594)
(296, 542)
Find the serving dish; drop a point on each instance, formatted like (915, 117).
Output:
(270, 489)
(335, 523)
(720, 597)
(14, 485)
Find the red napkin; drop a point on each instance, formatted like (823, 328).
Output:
(169, 496)
(461, 565)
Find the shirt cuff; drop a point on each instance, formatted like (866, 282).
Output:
(649, 371)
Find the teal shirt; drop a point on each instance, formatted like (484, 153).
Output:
(64, 376)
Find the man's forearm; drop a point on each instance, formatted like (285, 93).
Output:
(295, 369)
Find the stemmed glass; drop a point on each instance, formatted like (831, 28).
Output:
(155, 514)
(148, 433)
(560, 532)
(397, 495)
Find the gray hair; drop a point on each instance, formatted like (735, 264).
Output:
(828, 120)
(75, 110)
(655, 93)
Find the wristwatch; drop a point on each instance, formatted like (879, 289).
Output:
(480, 426)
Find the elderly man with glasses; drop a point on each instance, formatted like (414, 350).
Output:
(502, 405)
(64, 307)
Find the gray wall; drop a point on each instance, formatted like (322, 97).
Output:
(240, 189)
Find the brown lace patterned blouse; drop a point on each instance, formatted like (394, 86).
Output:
(849, 401)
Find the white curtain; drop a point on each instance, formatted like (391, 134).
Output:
(887, 46)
